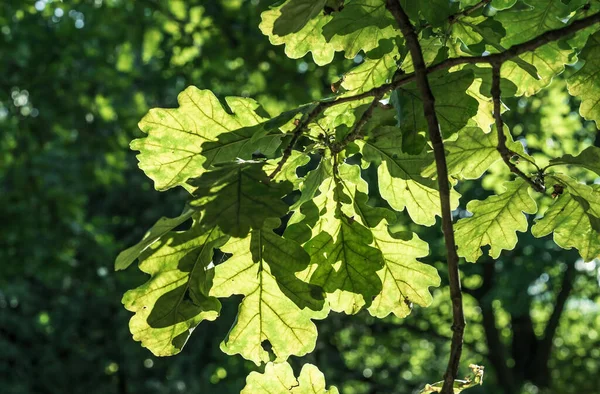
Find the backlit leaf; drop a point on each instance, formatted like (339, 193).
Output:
(400, 179)
(267, 317)
(160, 228)
(585, 83)
(176, 298)
(238, 197)
(279, 379)
(495, 221)
(183, 142)
(571, 226)
(360, 25)
(589, 158)
(308, 39)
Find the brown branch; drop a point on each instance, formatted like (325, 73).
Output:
(469, 11)
(458, 326)
(506, 153)
(519, 49)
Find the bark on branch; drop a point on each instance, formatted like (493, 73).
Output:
(458, 326)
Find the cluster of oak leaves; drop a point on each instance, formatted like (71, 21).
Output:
(335, 251)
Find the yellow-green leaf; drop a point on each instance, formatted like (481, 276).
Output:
(495, 221)
(279, 379)
(175, 299)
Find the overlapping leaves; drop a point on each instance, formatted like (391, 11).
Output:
(337, 250)
(585, 83)
(263, 268)
(238, 197)
(573, 223)
(182, 143)
(399, 175)
(176, 298)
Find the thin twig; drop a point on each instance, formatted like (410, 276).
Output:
(358, 126)
(458, 324)
(506, 153)
(302, 124)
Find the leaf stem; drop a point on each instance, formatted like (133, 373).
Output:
(458, 325)
(506, 153)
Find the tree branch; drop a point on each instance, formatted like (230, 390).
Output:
(458, 326)
(519, 49)
(506, 153)
(498, 58)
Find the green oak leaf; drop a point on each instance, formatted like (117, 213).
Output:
(157, 231)
(473, 152)
(524, 24)
(238, 197)
(182, 142)
(346, 264)
(360, 25)
(295, 14)
(587, 196)
(259, 268)
(285, 258)
(431, 47)
(405, 280)
(308, 39)
(585, 83)
(279, 379)
(502, 4)
(400, 179)
(374, 71)
(312, 181)
(454, 107)
(175, 299)
(436, 12)
(288, 171)
(342, 261)
(589, 159)
(571, 226)
(495, 221)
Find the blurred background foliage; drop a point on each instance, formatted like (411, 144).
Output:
(76, 77)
